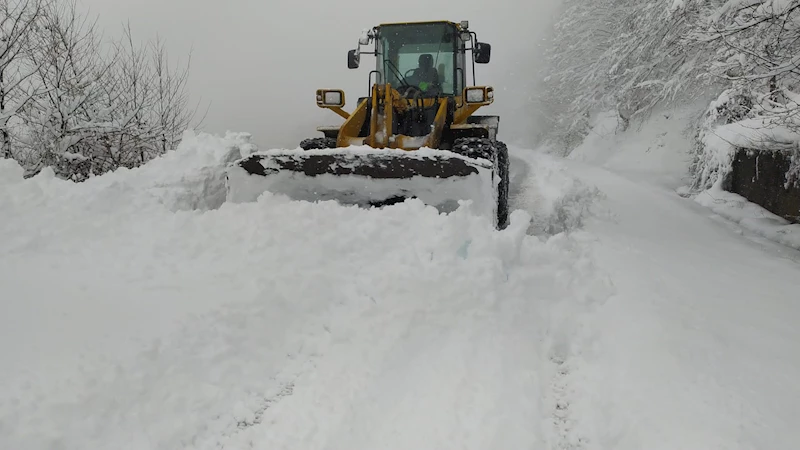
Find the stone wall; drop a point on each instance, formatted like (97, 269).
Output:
(760, 177)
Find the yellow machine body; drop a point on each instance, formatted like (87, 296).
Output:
(415, 135)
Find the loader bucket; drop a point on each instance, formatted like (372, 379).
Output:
(366, 177)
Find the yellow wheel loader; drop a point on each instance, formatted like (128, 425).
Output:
(414, 135)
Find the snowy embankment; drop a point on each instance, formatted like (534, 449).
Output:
(695, 349)
(750, 217)
(139, 312)
(648, 154)
(721, 145)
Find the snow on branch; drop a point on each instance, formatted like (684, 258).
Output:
(632, 56)
(753, 47)
(628, 56)
(69, 101)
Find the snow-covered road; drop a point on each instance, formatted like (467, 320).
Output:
(620, 317)
(696, 348)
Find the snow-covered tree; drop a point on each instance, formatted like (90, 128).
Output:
(754, 47)
(574, 76)
(623, 55)
(18, 23)
(66, 121)
(79, 104)
(151, 99)
(171, 104)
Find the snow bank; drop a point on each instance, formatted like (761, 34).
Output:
(130, 321)
(91, 353)
(750, 216)
(192, 177)
(720, 145)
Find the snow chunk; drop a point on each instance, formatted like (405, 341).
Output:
(559, 202)
(190, 178)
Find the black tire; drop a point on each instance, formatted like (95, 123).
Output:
(502, 195)
(318, 143)
(494, 151)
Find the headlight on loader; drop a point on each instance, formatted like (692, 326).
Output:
(330, 98)
(479, 95)
(476, 95)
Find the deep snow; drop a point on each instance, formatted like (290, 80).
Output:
(612, 313)
(132, 322)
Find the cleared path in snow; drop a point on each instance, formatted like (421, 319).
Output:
(697, 346)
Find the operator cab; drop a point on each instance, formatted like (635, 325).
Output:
(424, 59)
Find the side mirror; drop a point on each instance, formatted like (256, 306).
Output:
(353, 58)
(482, 53)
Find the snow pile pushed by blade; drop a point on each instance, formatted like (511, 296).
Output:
(558, 201)
(187, 178)
(276, 323)
(364, 176)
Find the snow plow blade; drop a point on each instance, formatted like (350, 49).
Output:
(366, 177)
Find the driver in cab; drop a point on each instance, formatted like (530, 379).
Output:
(426, 77)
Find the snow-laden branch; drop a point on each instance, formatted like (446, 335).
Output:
(69, 101)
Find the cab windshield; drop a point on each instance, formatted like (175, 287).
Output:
(419, 55)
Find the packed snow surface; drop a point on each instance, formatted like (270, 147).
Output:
(611, 313)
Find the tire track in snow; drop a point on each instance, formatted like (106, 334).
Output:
(568, 435)
(571, 333)
(268, 401)
(559, 203)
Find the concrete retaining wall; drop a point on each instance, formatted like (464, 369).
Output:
(760, 177)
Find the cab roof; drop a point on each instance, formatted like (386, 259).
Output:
(457, 25)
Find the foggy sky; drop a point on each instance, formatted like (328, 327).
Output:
(259, 62)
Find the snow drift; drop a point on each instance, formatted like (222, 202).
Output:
(137, 313)
(192, 177)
